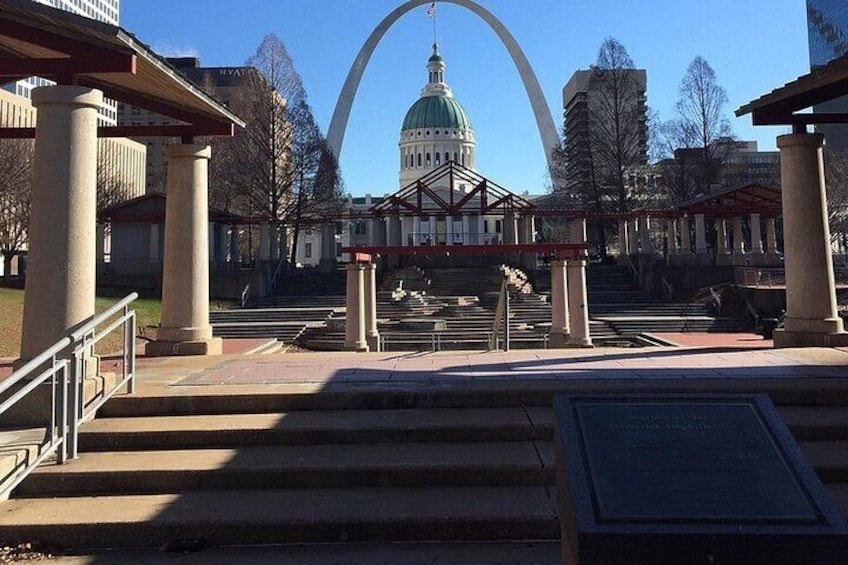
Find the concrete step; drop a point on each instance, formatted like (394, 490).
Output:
(317, 426)
(300, 466)
(816, 422)
(395, 553)
(267, 516)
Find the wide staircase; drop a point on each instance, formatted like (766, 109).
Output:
(468, 465)
(617, 301)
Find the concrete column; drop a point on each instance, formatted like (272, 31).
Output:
(578, 306)
(328, 260)
(646, 243)
(578, 303)
(509, 229)
(416, 230)
(235, 251)
(673, 257)
(372, 335)
(633, 235)
(702, 257)
(528, 236)
(772, 257)
(355, 339)
(60, 282)
(623, 244)
(811, 316)
(758, 257)
(185, 328)
(560, 332)
(686, 257)
(264, 242)
(738, 257)
(722, 252)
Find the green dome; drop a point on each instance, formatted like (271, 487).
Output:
(436, 112)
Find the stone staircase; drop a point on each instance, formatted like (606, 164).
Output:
(458, 465)
(616, 301)
(285, 324)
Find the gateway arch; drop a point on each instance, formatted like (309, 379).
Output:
(544, 121)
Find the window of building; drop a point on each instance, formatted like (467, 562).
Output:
(307, 250)
(438, 159)
(419, 159)
(338, 249)
(427, 160)
(498, 226)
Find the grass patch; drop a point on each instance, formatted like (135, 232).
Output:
(12, 313)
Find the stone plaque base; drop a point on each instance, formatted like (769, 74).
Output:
(715, 480)
(211, 346)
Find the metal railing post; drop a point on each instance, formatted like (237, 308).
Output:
(506, 318)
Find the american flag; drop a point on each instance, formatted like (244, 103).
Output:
(431, 11)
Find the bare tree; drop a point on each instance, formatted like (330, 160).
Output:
(600, 163)
(699, 138)
(16, 160)
(836, 176)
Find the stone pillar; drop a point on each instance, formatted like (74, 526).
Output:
(673, 257)
(578, 303)
(416, 230)
(623, 243)
(738, 257)
(528, 236)
(646, 242)
(509, 229)
(811, 316)
(235, 251)
(264, 242)
(61, 274)
(560, 332)
(686, 257)
(328, 260)
(702, 257)
(372, 335)
(758, 257)
(722, 252)
(355, 338)
(185, 328)
(633, 235)
(772, 257)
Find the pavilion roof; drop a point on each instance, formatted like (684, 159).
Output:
(748, 199)
(150, 208)
(780, 106)
(435, 193)
(37, 40)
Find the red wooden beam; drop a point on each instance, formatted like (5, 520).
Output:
(560, 250)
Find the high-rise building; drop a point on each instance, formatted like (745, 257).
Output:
(591, 101)
(827, 29)
(222, 82)
(106, 11)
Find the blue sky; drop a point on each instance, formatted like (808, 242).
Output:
(754, 46)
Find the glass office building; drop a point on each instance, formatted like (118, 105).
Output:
(827, 27)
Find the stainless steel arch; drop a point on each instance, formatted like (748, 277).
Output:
(544, 121)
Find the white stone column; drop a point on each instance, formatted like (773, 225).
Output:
(416, 230)
(466, 230)
(185, 327)
(578, 303)
(758, 257)
(738, 257)
(372, 335)
(264, 242)
(646, 242)
(811, 316)
(722, 252)
(772, 257)
(702, 257)
(673, 246)
(623, 244)
(355, 339)
(686, 257)
(560, 332)
(509, 229)
(61, 272)
(633, 235)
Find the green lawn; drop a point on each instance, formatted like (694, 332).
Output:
(11, 314)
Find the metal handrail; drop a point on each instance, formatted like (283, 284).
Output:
(634, 272)
(668, 289)
(716, 298)
(68, 359)
(753, 313)
(245, 294)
